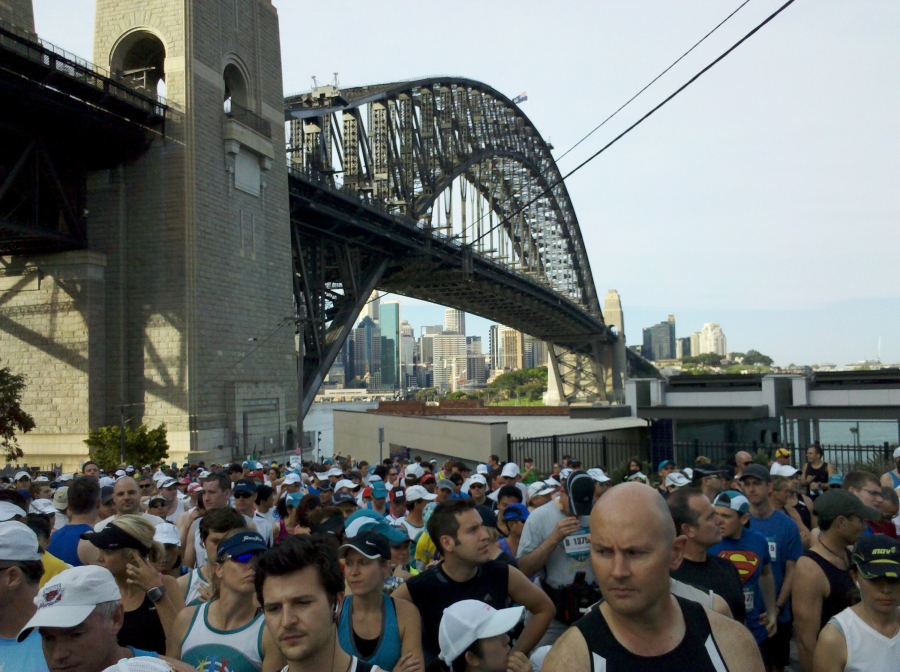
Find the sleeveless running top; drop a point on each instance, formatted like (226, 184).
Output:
(207, 648)
(819, 474)
(356, 665)
(842, 591)
(803, 510)
(895, 478)
(192, 593)
(696, 652)
(386, 652)
(867, 649)
(142, 629)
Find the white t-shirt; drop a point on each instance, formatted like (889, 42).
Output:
(149, 517)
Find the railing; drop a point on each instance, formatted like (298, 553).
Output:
(28, 45)
(248, 118)
(591, 450)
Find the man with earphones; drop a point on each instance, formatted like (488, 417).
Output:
(300, 586)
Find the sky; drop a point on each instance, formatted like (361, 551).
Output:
(764, 197)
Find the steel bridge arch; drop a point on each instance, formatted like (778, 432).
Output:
(408, 154)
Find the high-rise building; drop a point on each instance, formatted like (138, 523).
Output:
(406, 329)
(660, 340)
(473, 345)
(373, 305)
(513, 348)
(407, 358)
(390, 345)
(538, 353)
(495, 346)
(683, 347)
(367, 352)
(454, 321)
(695, 343)
(449, 365)
(712, 339)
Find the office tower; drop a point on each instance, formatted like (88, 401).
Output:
(528, 351)
(513, 348)
(373, 306)
(538, 353)
(473, 345)
(407, 358)
(367, 344)
(647, 345)
(495, 347)
(390, 345)
(683, 347)
(454, 321)
(712, 339)
(406, 329)
(695, 343)
(660, 340)
(449, 360)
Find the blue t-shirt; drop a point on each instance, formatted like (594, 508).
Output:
(750, 554)
(783, 538)
(25, 657)
(64, 543)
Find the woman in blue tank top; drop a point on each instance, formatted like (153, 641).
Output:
(373, 626)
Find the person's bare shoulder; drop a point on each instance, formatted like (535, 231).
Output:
(570, 653)
(735, 643)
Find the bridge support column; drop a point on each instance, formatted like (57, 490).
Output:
(580, 378)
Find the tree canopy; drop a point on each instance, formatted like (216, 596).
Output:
(142, 445)
(524, 383)
(12, 418)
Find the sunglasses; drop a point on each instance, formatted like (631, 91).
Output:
(242, 495)
(158, 505)
(245, 558)
(144, 486)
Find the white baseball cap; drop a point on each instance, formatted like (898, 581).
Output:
(467, 621)
(63, 478)
(896, 452)
(564, 474)
(335, 471)
(481, 469)
(41, 479)
(120, 473)
(539, 489)
(22, 474)
(8, 511)
(167, 482)
(167, 533)
(598, 475)
(293, 479)
(510, 470)
(345, 483)
(553, 482)
(415, 492)
(687, 471)
(785, 470)
(18, 542)
(140, 664)
(414, 470)
(44, 506)
(106, 480)
(203, 474)
(677, 479)
(70, 597)
(61, 498)
(194, 487)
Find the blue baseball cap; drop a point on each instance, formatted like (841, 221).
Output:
(379, 490)
(835, 480)
(243, 542)
(292, 500)
(515, 512)
(734, 500)
(343, 498)
(243, 487)
(664, 463)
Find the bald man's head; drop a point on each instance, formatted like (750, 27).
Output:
(634, 547)
(126, 495)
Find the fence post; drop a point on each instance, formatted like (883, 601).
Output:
(887, 451)
(555, 445)
(603, 452)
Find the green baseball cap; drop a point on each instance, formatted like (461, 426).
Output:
(877, 556)
(829, 505)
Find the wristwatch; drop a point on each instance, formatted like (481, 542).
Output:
(155, 594)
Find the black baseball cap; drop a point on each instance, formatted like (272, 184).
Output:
(106, 494)
(332, 525)
(398, 495)
(580, 488)
(703, 472)
(369, 543)
(488, 517)
(112, 538)
(836, 502)
(756, 471)
(877, 556)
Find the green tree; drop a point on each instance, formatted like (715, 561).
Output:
(706, 359)
(756, 357)
(142, 445)
(523, 383)
(12, 418)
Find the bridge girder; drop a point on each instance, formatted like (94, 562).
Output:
(391, 153)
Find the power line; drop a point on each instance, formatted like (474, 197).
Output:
(637, 123)
(627, 102)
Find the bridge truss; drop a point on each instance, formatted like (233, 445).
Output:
(443, 190)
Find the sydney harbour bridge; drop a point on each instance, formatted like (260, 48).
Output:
(133, 266)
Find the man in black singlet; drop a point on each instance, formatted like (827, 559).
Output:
(822, 584)
(640, 626)
(466, 573)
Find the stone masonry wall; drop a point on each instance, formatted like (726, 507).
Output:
(18, 12)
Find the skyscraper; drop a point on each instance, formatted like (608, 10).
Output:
(495, 346)
(449, 360)
(373, 305)
(513, 348)
(367, 352)
(390, 345)
(454, 321)
(712, 339)
(660, 340)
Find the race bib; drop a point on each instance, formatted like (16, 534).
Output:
(578, 544)
(748, 600)
(773, 549)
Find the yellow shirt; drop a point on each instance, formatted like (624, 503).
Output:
(52, 567)
(425, 550)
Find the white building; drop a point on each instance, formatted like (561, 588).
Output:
(454, 321)
(449, 351)
(712, 339)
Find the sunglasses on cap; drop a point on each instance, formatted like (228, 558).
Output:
(244, 558)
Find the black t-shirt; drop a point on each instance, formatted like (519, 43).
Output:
(433, 591)
(718, 575)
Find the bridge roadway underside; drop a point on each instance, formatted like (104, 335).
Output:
(341, 242)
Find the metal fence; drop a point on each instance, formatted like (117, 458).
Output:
(248, 118)
(609, 454)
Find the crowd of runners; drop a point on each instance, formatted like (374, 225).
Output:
(416, 565)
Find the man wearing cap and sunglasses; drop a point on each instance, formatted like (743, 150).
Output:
(555, 544)
(244, 493)
(21, 570)
(823, 586)
(228, 631)
(866, 636)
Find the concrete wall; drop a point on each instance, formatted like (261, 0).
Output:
(52, 330)
(356, 434)
(18, 12)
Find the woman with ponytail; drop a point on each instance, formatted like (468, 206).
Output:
(127, 549)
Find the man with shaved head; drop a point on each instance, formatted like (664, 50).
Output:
(640, 625)
(127, 498)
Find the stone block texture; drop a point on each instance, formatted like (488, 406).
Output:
(19, 13)
(196, 269)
